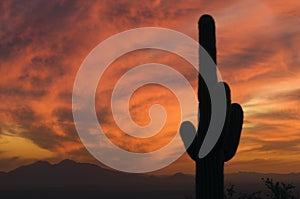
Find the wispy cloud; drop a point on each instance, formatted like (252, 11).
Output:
(44, 43)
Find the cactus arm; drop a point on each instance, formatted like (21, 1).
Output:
(235, 129)
(187, 131)
(193, 149)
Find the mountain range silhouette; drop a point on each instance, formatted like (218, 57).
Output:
(69, 179)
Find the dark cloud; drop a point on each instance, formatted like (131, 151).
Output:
(22, 93)
(104, 115)
(292, 145)
(42, 71)
(248, 57)
(293, 95)
(63, 114)
(25, 115)
(66, 96)
(35, 128)
(267, 165)
(265, 127)
(46, 137)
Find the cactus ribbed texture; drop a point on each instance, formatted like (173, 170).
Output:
(210, 169)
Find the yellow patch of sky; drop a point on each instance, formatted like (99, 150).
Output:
(15, 146)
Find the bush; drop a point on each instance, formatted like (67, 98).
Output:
(279, 190)
(276, 190)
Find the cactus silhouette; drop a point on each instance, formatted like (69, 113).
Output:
(210, 169)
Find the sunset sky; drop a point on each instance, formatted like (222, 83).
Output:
(43, 43)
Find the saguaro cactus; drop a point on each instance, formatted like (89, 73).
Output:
(210, 169)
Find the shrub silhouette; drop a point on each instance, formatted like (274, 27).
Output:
(276, 190)
(279, 190)
(230, 192)
(210, 169)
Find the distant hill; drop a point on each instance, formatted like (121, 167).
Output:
(69, 179)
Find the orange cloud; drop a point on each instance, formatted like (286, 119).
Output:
(42, 47)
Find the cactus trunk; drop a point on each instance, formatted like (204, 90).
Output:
(209, 178)
(209, 170)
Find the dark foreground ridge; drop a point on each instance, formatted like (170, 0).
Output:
(69, 179)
